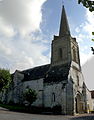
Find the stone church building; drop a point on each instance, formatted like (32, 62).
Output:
(59, 83)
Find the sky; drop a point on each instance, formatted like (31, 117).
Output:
(27, 28)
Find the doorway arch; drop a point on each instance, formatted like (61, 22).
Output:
(79, 103)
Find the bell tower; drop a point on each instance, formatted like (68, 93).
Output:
(64, 79)
(64, 48)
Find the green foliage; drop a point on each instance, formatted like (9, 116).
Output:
(92, 33)
(88, 4)
(30, 95)
(13, 107)
(93, 40)
(5, 78)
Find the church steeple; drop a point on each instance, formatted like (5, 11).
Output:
(65, 49)
(64, 27)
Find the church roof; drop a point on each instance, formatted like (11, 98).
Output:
(57, 73)
(35, 73)
(50, 74)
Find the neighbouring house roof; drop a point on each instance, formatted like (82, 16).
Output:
(92, 94)
(57, 73)
(35, 73)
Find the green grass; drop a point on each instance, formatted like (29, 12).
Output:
(13, 107)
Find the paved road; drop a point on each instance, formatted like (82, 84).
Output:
(8, 115)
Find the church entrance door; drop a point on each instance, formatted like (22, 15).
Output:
(78, 104)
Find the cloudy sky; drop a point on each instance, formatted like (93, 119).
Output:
(27, 28)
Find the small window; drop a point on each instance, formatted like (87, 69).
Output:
(60, 53)
(77, 80)
(53, 97)
(74, 54)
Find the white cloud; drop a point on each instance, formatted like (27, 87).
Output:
(80, 37)
(6, 29)
(85, 57)
(19, 49)
(22, 16)
(4, 49)
(21, 54)
(89, 24)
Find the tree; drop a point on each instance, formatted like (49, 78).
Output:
(88, 4)
(30, 95)
(93, 35)
(5, 78)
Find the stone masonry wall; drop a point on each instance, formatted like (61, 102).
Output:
(36, 85)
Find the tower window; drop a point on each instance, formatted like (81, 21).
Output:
(74, 54)
(77, 80)
(60, 53)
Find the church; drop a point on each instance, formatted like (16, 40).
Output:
(59, 83)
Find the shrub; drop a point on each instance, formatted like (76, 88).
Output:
(30, 95)
(57, 109)
(11, 102)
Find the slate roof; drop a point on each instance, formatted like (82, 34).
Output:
(57, 73)
(35, 73)
(50, 74)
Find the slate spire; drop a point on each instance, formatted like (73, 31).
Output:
(64, 26)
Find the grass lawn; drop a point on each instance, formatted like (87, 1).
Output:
(14, 107)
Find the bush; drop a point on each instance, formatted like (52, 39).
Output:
(11, 102)
(0, 102)
(57, 109)
(30, 95)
